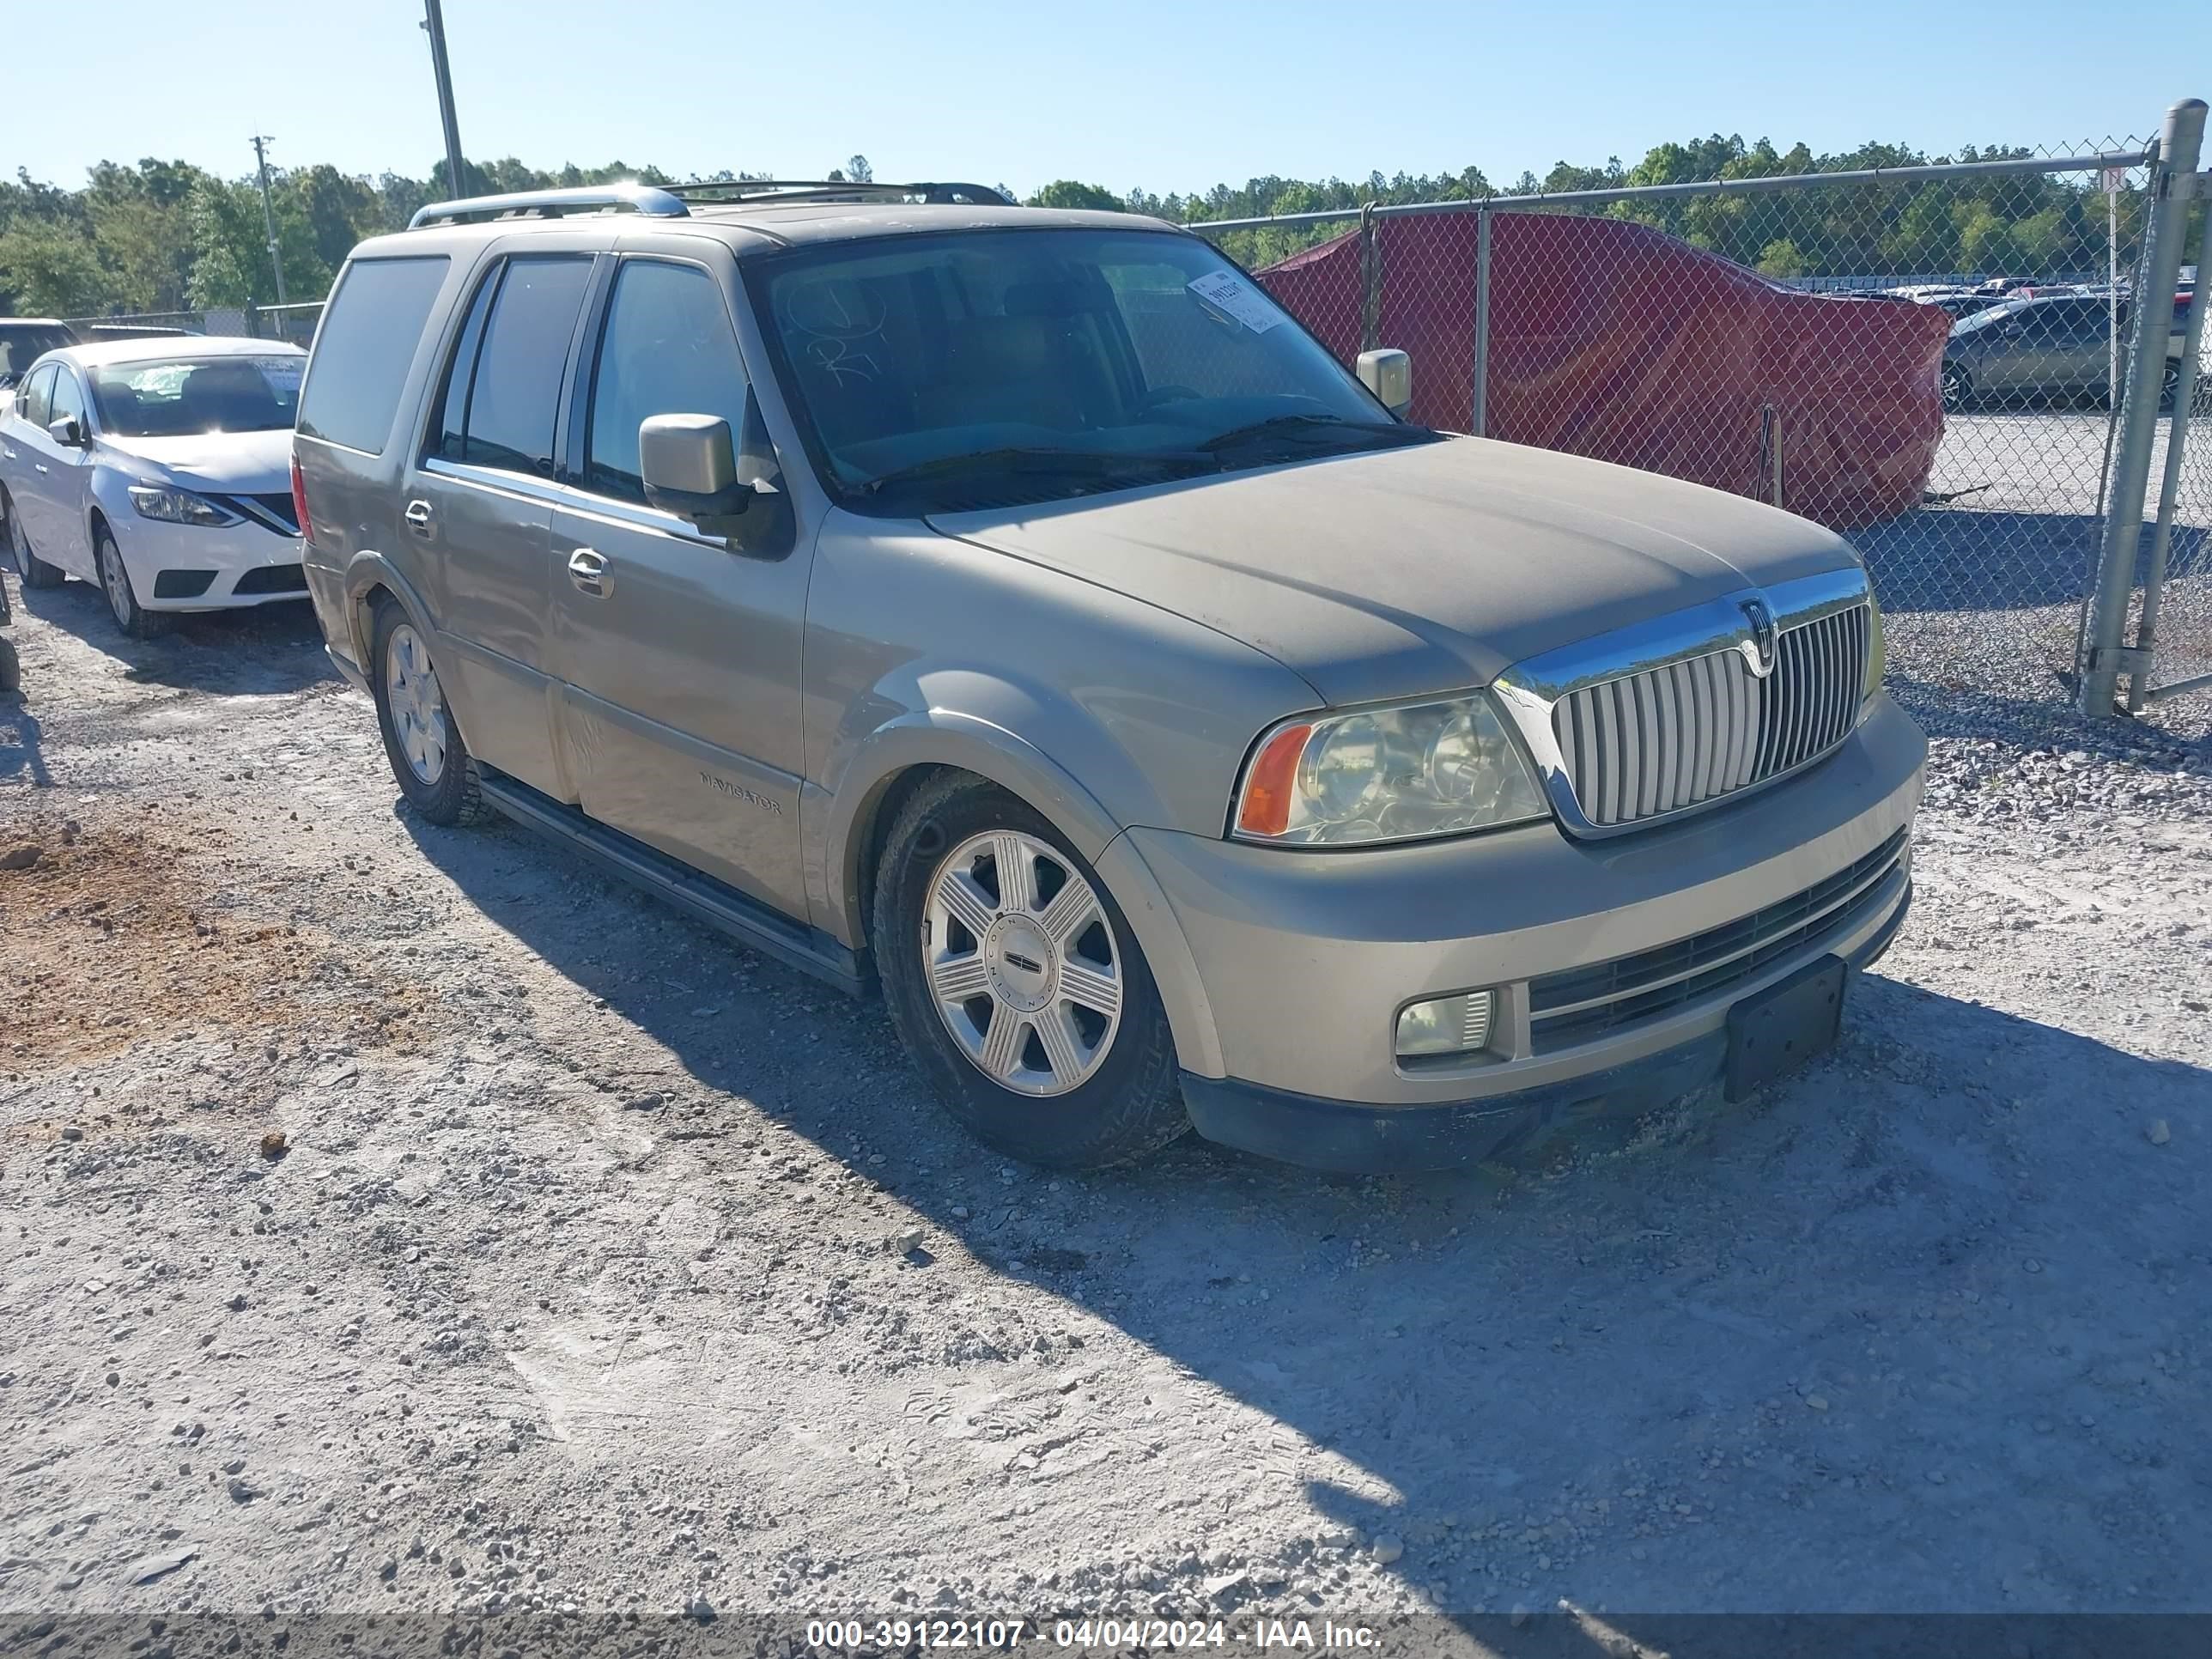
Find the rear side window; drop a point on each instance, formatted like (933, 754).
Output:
(513, 387)
(368, 341)
(668, 350)
(449, 427)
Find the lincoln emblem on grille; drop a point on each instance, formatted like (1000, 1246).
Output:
(1759, 649)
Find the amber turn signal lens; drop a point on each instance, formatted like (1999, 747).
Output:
(1265, 808)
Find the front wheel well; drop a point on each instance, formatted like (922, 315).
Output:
(874, 829)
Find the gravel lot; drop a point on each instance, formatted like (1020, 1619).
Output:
(579, 1285)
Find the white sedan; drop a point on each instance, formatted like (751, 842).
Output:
(159, 468)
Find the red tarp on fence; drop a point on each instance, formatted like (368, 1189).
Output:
(1614, 340)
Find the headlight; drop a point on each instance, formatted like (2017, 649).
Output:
(178, 506)
(1877, 652)
(1428, 769)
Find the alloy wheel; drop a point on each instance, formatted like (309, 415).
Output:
(417, 706)
(117, 581)
(1022, 963)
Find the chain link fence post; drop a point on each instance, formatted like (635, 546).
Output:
(1479, 423)
(1371, 281)
(2106, 656)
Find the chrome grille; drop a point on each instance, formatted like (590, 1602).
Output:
(1659, 740)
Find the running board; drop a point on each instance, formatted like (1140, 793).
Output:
(700, 897)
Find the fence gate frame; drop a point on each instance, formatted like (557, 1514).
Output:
(2143, 658)
(2106, 654)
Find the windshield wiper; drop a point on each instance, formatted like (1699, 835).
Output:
(1030, 458)
(1323, 428)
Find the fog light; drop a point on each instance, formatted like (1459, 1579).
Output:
(1448, 1025)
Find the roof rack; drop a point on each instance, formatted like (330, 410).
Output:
(734, 191)
(628, 194)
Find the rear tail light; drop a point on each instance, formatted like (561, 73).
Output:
(299, 497)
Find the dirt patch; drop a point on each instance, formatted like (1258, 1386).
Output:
(115, 937)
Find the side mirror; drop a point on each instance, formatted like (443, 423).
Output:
(1388, 374)
(691, 466)
(8, 380)
(66, 432)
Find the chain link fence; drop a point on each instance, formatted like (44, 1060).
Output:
(296, 323)
(1930, 359)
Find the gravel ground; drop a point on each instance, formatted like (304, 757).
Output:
(397, 1219)
(1985, 591)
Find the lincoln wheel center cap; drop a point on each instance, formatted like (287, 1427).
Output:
(1021, 962)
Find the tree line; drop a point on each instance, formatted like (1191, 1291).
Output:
(165, 236)
(170, 236)
(2021, 225)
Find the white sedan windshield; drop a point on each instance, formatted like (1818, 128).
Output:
(187, 396)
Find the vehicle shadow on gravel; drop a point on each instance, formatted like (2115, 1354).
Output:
(21, 753)
(268, 650)
(1899, 1299)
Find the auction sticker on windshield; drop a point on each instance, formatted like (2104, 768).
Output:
(1233, 296)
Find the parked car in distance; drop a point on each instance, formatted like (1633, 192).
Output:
(1958, 305)
(2047, 347)
(24, 340)
(97, 331)
(1019, 610)
(160, 469)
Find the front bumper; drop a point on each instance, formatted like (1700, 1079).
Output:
(1352, 1138)
(1300, 961)
(182, 567)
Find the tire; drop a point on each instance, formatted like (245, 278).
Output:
(435, 772)
(130, 616)
(1106, 1093)
(1957, 389)
(34, 571)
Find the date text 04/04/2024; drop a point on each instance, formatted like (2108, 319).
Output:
(1113, 1635)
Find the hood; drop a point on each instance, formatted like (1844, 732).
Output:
(1403, 572)
(232, 463)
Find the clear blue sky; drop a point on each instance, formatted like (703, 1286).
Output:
(1167, 96)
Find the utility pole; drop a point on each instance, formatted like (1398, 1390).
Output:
(268, 213)
(434, 24)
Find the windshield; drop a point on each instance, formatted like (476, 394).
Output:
(185, 396)
(986, 366)
(20, 347)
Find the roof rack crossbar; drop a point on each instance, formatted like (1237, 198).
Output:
(769, 189)
(645, 199)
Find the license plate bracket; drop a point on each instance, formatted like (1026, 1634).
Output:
(1775, 1032)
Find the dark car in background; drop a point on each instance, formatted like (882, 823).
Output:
(24, 340)
(2045, 348)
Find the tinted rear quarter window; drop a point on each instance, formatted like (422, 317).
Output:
(367, 341)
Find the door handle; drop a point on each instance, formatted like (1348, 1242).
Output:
(418, 517)
(38, 466)
(587, 569)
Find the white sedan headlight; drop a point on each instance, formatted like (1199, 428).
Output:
(1377, 774)
(178, 506)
